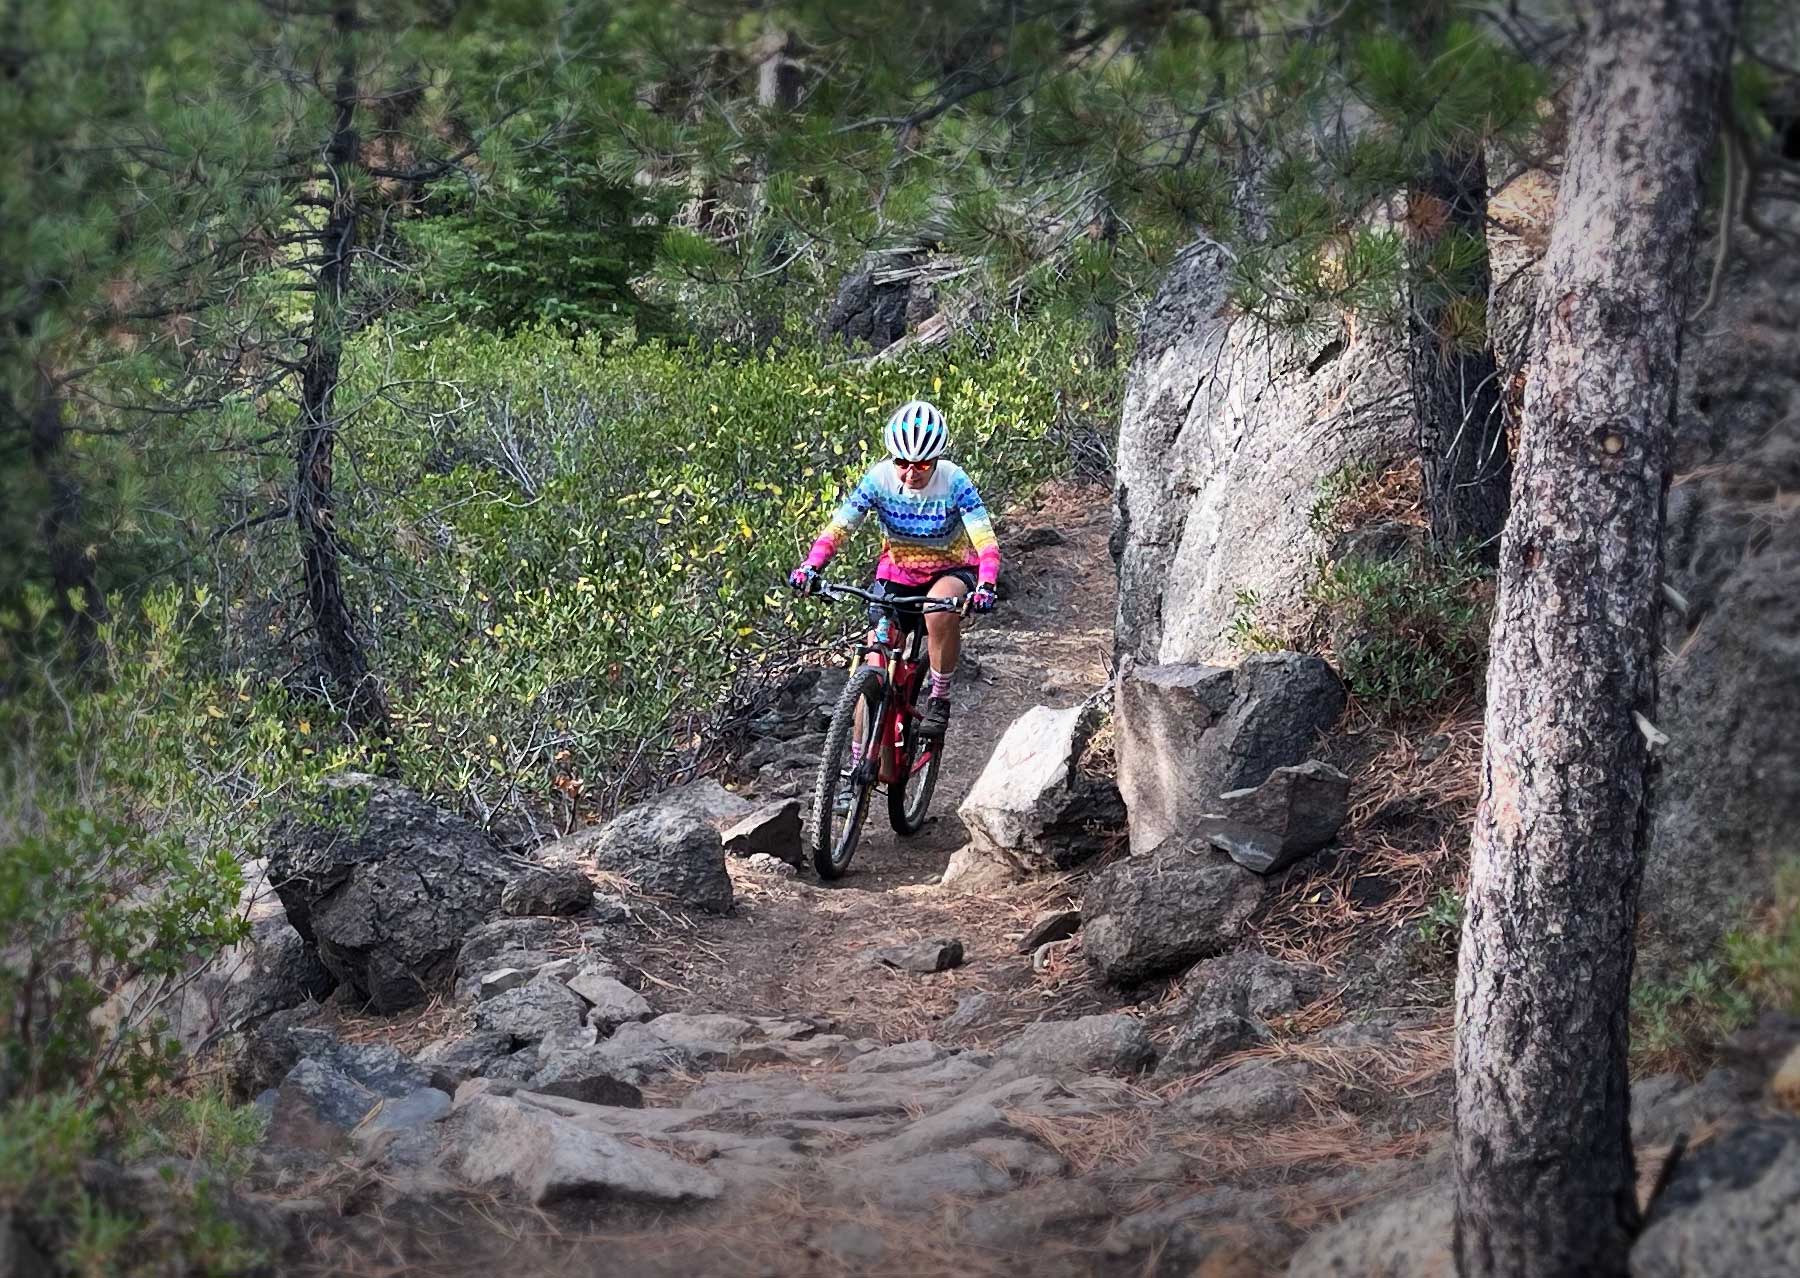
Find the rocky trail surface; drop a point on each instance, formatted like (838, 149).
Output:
(1026, 1039)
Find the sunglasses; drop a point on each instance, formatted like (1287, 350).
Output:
(914, 465)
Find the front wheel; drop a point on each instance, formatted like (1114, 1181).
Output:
(832, 834)
(909, 795)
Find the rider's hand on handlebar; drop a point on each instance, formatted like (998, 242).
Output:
(982, 599)
(805, 579)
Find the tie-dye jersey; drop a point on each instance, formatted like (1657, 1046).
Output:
(941, 526)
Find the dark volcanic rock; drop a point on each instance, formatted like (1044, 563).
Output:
(385, 884)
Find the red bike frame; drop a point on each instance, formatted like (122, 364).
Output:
(903, 677)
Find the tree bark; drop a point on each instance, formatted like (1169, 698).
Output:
(340, 649)
(1544, 1160)
(1463, 453)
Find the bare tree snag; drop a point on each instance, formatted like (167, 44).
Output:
(340, 648)
(1544, 1162)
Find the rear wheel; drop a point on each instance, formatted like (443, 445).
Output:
(830, 834)
(910, 796)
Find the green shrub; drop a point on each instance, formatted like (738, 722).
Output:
(1443, 918)
(1678, 1022)
(1338, 489)
(575, 549)
(1765, 956)
(125, 801)
(1408, 633)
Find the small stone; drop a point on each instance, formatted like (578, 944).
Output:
(593, 975)
(495, 983)
(532, 1011)
(936, 955)
(763, 863)
(773, 830)
(971, 1010)
(1036, 537)
(452, 1060)
(614, 1004)
(547, 890)
(1050, 925)
(1785, 1085)
(610, 907)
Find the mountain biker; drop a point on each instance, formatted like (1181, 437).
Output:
(937, 540)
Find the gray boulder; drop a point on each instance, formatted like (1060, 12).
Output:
(316, 1106)
(920, 956)
(524, 944)
(547, 889)
(611, 1002)
(1407, 1237)
(454, 1059)
(1731, 1209)
(771, 830)
(667, 847)
(384, 885)
(1109, 1043)
(1227, 1003)
(1160, 912)
(1032, 808)
(544, 1158)
(1294, 813)
(1227, 431)
(527, 1014)
(1190, 733)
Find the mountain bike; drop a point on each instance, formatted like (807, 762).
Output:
(889, 683)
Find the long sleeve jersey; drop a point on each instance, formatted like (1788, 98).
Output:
(941, 526)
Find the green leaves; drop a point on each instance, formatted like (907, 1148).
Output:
(586, 587)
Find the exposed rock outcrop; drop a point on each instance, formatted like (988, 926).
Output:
(1190, 733)
(1033, 809)
(1296, 812)
(385, 884)
(1727, 809)
(1161, 911)
(669, 846)
(1227, 430)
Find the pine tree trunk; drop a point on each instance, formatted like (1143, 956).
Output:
(340, 648)
(1544, 1160)
(1463, 454)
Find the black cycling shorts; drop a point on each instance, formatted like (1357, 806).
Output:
(911, 619)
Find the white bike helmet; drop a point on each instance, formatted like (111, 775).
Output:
(916, 432)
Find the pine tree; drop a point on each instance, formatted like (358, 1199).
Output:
(1545, 1182)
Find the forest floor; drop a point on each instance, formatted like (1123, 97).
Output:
(1145, 1187)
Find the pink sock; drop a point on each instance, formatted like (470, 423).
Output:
(940, 683)
(856, 753)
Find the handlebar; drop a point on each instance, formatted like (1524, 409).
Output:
(924, 603)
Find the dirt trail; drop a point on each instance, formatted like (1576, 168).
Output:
(858, 1120)
(795, 946)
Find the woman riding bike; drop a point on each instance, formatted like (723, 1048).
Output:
(937, 540)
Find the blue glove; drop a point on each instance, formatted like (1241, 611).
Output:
(804, 578)
(982, 598)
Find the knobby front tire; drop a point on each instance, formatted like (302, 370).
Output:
(831, 835)
(910, 797)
